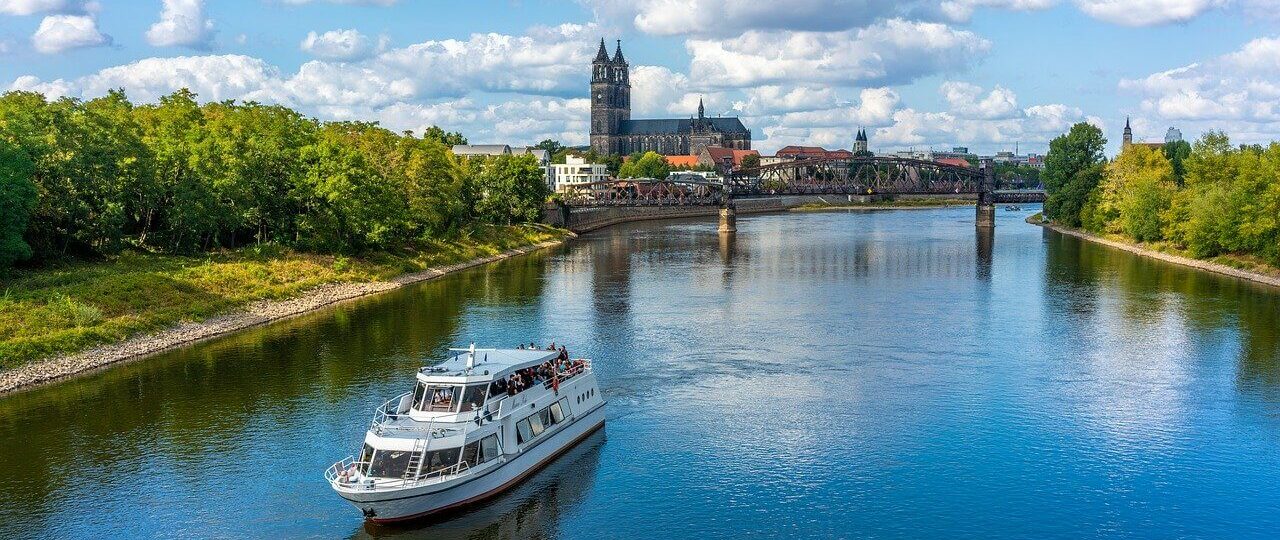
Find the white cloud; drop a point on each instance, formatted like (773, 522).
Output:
(182, 23)
(1242, 86)
(1147, 12)
(349, 2)
(962, 10)
(33, 7)
(732, 17)
(344, 45)
(895, 51)
(59, 33)
(967, 101)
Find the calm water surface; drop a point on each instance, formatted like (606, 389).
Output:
(889, 374)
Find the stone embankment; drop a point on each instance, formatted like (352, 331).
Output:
(1166, 257)
(255, 314)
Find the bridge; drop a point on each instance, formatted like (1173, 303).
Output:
(861, 176)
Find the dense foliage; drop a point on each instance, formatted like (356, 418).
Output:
(1073, 168)
(646, 165)
(90, 178)
(1208, 199)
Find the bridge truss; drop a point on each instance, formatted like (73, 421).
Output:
(823, 176)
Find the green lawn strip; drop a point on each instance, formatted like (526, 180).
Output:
(76, 306)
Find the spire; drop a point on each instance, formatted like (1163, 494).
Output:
(701, 111)
(1126, 122)
(602, 55)
(617, 55)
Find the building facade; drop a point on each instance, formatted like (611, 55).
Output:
(576, 170)
(613, 132)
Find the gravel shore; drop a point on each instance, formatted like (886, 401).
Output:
(1175, 259)
(255, 314)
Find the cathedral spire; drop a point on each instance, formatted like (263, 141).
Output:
(602, 56)
(701, 111)
(617, 54)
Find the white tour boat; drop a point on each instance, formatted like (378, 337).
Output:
(473, 426)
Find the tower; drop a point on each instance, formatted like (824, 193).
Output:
(860, 142)
(610, 99)
(1128, 134)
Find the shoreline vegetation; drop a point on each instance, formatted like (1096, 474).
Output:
(60, 322)
(1247, 268)
(905, 204)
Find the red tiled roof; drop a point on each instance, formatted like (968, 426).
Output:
(719, 154)
(953, 161)
(682, 161)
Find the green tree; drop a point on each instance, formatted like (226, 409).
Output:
(17, 200)
(511, 189)
(1073, 168)
(646, 165)
(1136, 193)
(447, 138)
(551, 146)
(1177, 153)
(751, 161)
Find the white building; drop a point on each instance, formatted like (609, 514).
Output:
(576, 170)
(1173, 135)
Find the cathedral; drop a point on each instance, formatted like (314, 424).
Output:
(613, 132)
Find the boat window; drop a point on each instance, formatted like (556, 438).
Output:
(418, 392)
(389, 463)
(471, 453)
(489, 448)
(439, 459)
(535, 422)
(557, 413)
(523, 432)
(545, 415)
(441, 398)
(473, 397)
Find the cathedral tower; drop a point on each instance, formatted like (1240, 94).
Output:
(610, 99)
(1128, 134)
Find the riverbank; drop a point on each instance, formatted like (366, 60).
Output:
(60, 322)
(904, 204)
(1236, 267)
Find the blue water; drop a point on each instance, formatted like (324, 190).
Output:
(829, 375)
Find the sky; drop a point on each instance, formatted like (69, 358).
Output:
(990, 75)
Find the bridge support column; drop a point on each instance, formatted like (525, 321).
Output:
(986, 217)
(986, 211)
(728, 219)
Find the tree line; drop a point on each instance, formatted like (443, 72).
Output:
(90, 178)
(1207, 198)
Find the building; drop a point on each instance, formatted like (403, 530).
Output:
(1127, 138)
(613, 132)
(724, 159)
(543, 156)
(955, 162)
(576, 170)
(1173, 135)
(686, 162)
(794, 153)
(860, 143)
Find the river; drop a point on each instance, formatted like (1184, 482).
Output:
(886, 374)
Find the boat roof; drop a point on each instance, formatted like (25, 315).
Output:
(493, 361)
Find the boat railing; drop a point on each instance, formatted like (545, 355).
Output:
(438, 475)
(577, 367)
(393, 416)
(346, 472)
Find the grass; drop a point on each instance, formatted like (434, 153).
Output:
(76, 306)
(903, 203)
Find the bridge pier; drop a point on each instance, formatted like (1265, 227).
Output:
(728, 219)
(986, 217)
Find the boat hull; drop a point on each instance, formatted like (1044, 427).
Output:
(423, 501)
